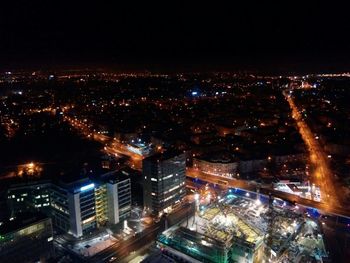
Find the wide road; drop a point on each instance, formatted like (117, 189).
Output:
(322, 176)
(111, 146)
(248, 186)
(123, 249)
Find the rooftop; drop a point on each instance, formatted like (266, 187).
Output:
(163, 156)
(21, 221)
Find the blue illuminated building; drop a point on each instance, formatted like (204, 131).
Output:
(73, 207)
(81, 206)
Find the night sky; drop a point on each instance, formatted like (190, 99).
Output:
(278, 34)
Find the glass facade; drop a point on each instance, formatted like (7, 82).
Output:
(164, 181)
(87, 210)
(59, 208)
(29, 197)
(78, 207)
(124, 199)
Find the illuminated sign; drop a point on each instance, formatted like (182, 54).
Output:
(87, 187)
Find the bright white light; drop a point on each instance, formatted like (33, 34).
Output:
(258, 202)
(87, 187)
(196, 197)
(247, 194)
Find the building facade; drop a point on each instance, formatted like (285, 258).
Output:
(226, 167)
(29, 197)
(27, 238)
(117, 196)
(73, 207)
(84, 206)
(164, 178)
(77, 207)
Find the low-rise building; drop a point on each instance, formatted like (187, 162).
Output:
(26, 238)
(217, 164)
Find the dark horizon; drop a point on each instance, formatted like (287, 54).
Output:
(263, 67)
(263, 37)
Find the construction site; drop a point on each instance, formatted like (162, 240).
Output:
(237, 229)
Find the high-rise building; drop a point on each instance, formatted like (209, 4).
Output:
(164, 178)
(76, 207)
(73, 207)
(113, 202)
(82, 206)
(26, 238)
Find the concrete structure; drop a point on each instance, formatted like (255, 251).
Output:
(164, 181)
(220, 165)
(214, 237)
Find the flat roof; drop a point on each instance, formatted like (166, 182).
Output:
(116, 176)
(164, 156)
(21, 221)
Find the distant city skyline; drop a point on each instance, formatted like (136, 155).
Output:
(174, 132)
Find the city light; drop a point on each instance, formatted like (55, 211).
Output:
(87, 187)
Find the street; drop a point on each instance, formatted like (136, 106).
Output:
(322, 176)
(241, 184)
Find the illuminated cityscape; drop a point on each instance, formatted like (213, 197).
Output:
(139, 133)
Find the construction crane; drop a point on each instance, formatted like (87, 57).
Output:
(271, 214)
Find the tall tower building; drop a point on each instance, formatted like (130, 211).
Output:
(164, 178)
